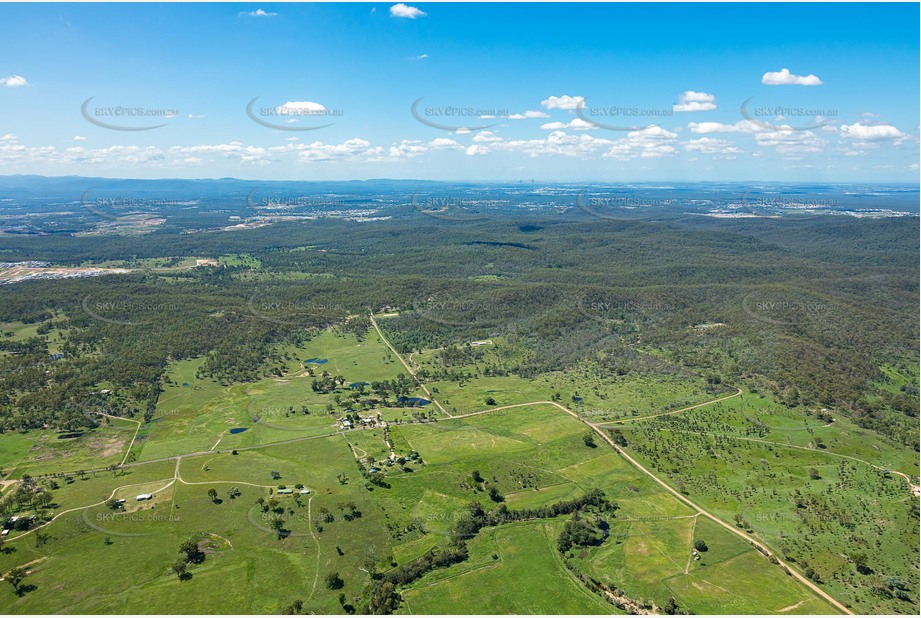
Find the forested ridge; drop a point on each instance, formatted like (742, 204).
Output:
(808, 311)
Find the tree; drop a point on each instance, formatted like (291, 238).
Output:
(278, 525)
(334, 582)
(212, 493)
(348, 607)
(671, 608)
(369, 565)
(15, 577)
(814, 474)
(44, 498)
(618, 437)
(860, 561)
(579, 532)
(233, 493)
(191, 551)
(700, 545)
(589, 439)
(294, 608)
(475, 475)
(490, 401)
(41, 538)
(181, 569)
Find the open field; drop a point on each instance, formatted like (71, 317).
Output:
(196, 414)
(800, 484)
(42, 452)
(523, 553)
(267, 549)
(25, 273)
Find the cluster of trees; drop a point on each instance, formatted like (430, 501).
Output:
(458, 356)
(477, 518)
(327, 383)
(562, 301)
(191, 554)
(385, 598)
(16, 576)
(582, 532)
(26, 494)
(481, 484)
(382, 393)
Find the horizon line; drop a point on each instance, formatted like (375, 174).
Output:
(474, 181)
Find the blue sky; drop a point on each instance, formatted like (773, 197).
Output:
(608, 92)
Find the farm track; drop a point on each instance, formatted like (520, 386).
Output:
(408, 368)
(914, 488)
(595, 427)
(133, 438)
(738, 393)
(598, 430)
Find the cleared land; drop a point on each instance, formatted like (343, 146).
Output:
(264, 549)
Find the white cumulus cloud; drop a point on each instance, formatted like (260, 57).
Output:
(556, 143)
(404, 10)
(711, 145)
(13, 81)
(477, 150)
(872, 132)
(299, 108)
(691, 101)
(649, 143)
(529, 114)
(576, 123)
(563, 102)
(743, 126)
(485, 137)
(257, 13)
(784, 77)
